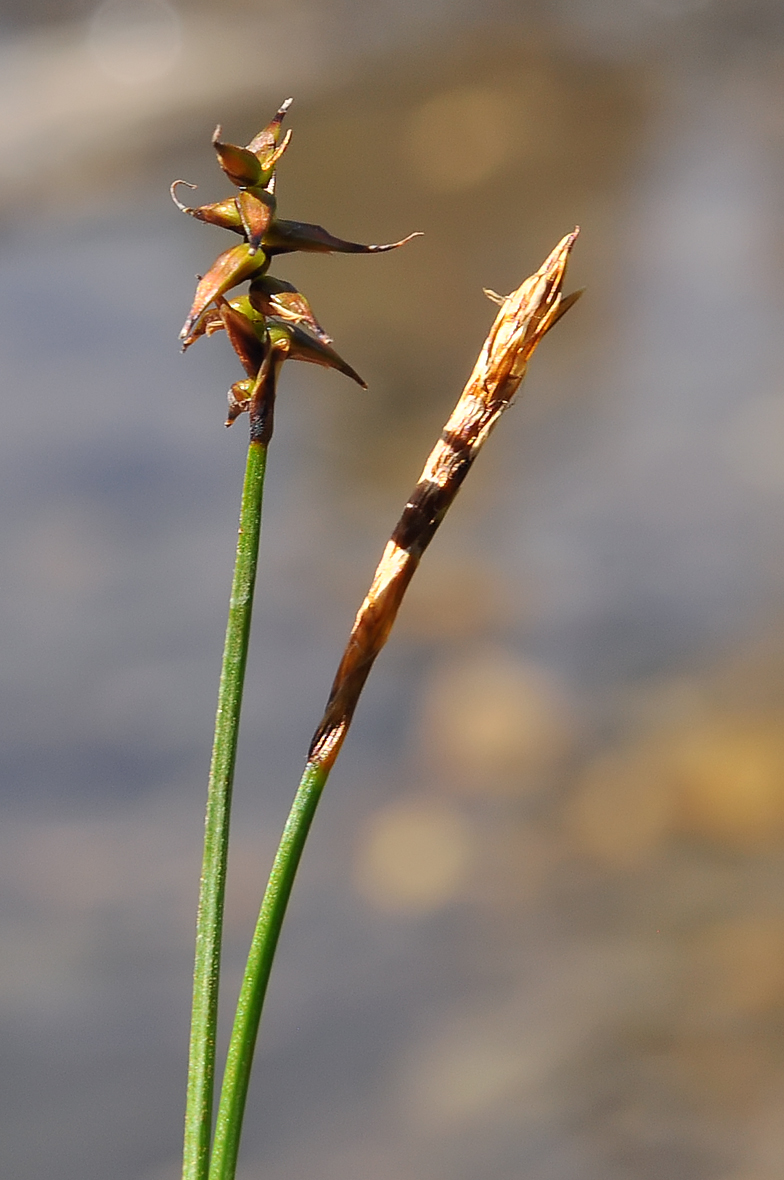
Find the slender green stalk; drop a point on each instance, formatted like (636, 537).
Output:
(209, 921)
(228, 1126)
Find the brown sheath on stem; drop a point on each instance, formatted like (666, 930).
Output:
(525, 317)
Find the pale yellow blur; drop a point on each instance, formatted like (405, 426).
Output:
(491, 723)
(413, 856)
(460, 138)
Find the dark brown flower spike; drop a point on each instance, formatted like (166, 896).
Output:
(274, 321)
(525, 316)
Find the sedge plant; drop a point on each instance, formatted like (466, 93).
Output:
(272, 323)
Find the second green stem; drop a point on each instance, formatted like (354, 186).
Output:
(228, 1126)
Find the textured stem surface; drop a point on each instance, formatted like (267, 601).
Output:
(525, 317)
(209, 921)
(228, 1126)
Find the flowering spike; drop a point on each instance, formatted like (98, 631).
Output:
(273, 321)
(241, 166)
(271, 296)
(284, 236)
(256, 211)
(231, 267)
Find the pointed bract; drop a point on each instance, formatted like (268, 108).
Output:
(231, 267)
(241, 166)
(285, 236)
(529, 313)
(270, 159)
(249, 340)
(272, 296)
(303, 346)
(256, 212)
(269, 137)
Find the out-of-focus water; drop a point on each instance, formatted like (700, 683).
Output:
(539, 929)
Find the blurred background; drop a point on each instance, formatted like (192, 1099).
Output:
(539, 930)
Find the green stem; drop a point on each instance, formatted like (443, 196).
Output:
(228, 1126)
(209, 921)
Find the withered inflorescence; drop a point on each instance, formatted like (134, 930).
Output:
(273, 321)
